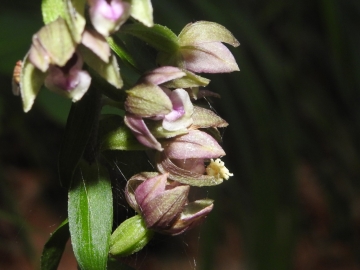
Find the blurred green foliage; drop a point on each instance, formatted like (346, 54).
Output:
(295, 102)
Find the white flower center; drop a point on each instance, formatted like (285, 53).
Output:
(217, 168)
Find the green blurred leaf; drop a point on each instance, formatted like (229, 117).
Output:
(160, 37)
(54, 247)
(90, 209)
(114, 135)
(82, 117)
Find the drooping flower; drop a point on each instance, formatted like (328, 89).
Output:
(163, 205)
(108, 15)
(148, 100)
(70, 80)
(200, 49)
(184, 159)
(56, 60)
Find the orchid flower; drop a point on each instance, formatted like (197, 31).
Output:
(163, 205)
(56, 60)
(184, 159)
(200, 49)
(148, 100)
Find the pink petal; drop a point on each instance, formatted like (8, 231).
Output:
(141, 132)
(163, 74)
(180, 116)
(213, 57)
(150, 188)
(70, 80)
(195, 144)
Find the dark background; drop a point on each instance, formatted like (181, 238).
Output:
(293, 142)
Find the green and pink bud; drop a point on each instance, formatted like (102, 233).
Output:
(108, 15)
(148, 100)
(164, 205)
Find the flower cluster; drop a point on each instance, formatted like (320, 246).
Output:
(161, 109)
(59, 49)
(161, 113)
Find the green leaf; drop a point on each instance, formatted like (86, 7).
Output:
(52, 9)
(82, 117)
(122, 53)
(54, 247)
(142, 11)
(160, 37)
(31, 80)
(90, 212)
(114, 135)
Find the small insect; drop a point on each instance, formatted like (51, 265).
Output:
(16, 78)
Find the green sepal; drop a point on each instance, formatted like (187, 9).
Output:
(147, 100)
(142, 11)
(80, 122)
(189, 80)
(71, 12)
(31, 80)
(52, 9)
(130, 237)
(204, 31)
(114, 135)
(109, 71)
(52, 44)
(205, 118)
(90, 210)
(159, 37)
(54, 247)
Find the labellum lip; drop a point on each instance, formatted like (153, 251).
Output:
(164, 164)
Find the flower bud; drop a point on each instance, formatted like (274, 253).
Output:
(108, 15)
(130, 237)
(163, 205)
(159, 202)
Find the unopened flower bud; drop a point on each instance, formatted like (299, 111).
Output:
(130, 237)
(108, 15)
(158, 202)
